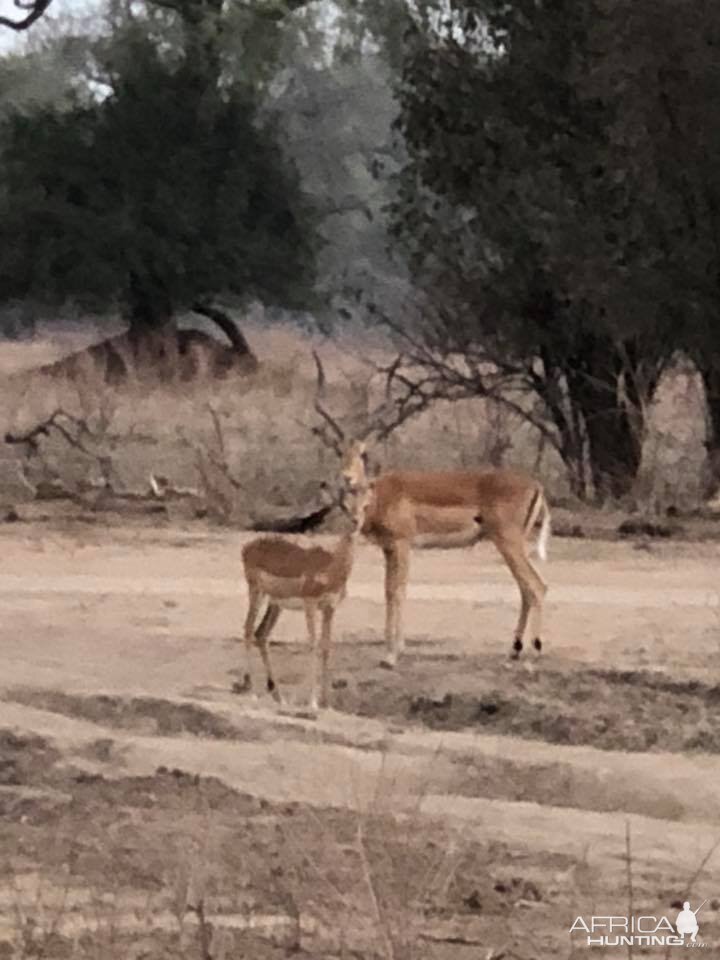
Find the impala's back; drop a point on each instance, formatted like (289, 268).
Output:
(446, 508)
(286, 571)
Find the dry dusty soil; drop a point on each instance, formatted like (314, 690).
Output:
(460, 807)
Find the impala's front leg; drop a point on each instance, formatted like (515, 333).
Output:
(325, 647)
(397, 566)
(254, 599)
(262, 638)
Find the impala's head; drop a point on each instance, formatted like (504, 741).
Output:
(354, 469)
(357, 502)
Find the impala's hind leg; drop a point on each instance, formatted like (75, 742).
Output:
(262, 637)
(533, 588)
(397, 567)
(536, 610)
(325, 649)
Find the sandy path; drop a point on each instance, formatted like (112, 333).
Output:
(463, 592)
(157, 618)
(406, 776)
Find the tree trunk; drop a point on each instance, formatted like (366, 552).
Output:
(152, 334)
(150, 307)
(615, 452)
(709, 367)
(550, 387)
(613, 434)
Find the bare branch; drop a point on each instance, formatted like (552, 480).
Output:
(217, 427)
(35, 9)
(444, 364)
(229, 327)
(76, 433)
(321, 378)
(301, 522)
(169, 5)
(31, 436)
(330, 432)
(54, 421)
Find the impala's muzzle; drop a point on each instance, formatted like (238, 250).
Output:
(350, 483)
(353, 501)
(347, 492)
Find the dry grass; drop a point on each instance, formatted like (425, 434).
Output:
(178, 865)
(99, 863)
(200, 871)
(246, 444)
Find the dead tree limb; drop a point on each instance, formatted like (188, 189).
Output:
(329, 432)
(75, 432)
(54, 422)
(301, 522)
(404, 398)
(229, 328)
(31, 11)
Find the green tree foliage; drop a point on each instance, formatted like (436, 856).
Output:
(519, 223)
(337, 121)
(161, 190)
(660, 64)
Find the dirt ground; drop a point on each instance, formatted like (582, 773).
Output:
(462, 806)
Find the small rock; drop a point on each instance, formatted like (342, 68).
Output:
(644, 528)
(523, 904)
(531, 891)
(473, 902)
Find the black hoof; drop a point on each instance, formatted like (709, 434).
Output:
(517, 648)
(537, 643)
(271, 684)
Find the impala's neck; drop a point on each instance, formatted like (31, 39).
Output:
(344, 552)
(345, 546)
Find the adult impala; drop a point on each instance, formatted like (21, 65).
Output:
(451, 509)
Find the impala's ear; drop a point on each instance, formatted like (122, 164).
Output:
(371, 465)
(359, 452)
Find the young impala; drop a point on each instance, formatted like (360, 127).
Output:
(312, 579)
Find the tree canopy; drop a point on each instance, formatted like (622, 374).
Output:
(160, 187)
(538, 205)
(527, 193)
